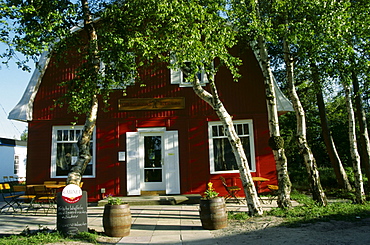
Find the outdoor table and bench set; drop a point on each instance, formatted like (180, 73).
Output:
(43, 196)
(30, 197)
(233, 189)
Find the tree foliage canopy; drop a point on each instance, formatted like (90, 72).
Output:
(131, 34)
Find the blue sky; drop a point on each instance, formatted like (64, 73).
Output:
(13, 83)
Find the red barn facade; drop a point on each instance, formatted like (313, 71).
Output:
(160, 137)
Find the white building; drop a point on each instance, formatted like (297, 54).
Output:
(13, 158)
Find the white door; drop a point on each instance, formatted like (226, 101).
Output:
(132, 164)
(152, 161)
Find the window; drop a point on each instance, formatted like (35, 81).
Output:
(16, 164)
(178, 77)
(222, 159)
(65, 151)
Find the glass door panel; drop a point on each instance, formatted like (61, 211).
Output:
(153, 159)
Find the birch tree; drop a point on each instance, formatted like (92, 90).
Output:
(348, 41)
(276, 142)
(359, 187)
(194, 47)
(212, 98)
(363, 129)
(341, 40)
(357, 39)
(254, 30)
(44, 26)
(349, 47)
(84, 27)
(287, 17)
(309, 159)
(61, 28)
(314, 25)
(93, 67)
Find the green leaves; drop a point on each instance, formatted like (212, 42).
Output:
(193, 30)
(150, 30)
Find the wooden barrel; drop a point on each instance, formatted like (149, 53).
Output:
(213, 214)
(117, 220)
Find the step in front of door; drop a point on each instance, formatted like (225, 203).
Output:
(153, 193)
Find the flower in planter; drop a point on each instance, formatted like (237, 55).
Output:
(114, 200)
(210, 192)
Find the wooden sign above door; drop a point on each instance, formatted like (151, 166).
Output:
(139, 104)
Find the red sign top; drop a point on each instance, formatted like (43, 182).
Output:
(72, 193)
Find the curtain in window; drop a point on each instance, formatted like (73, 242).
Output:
(223, 155)
(65, 154)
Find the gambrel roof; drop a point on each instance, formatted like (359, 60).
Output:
(23, 111)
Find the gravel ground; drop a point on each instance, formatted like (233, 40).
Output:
(267, 230)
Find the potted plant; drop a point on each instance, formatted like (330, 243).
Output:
(212, 210)
(116, 217)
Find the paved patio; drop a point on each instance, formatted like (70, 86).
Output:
(151, 224)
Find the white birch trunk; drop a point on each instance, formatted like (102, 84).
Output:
(309, 159)
(359, 185)
(364, 133)
(254, 206)
(276, 141)
(76, 173)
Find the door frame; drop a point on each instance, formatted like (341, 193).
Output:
(171, 170)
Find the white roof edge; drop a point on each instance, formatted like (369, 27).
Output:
(283, 103)
(23, 111)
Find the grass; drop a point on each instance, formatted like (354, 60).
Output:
(238, 215)
(310, 212)
(45, 235)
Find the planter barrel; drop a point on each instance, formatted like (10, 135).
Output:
(213, 214)
(117, 220)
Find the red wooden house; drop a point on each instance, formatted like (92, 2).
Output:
(158, 138)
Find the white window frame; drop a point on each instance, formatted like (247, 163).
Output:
(54, 142)
(16, 164)
(177, 76)
(249, 122)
